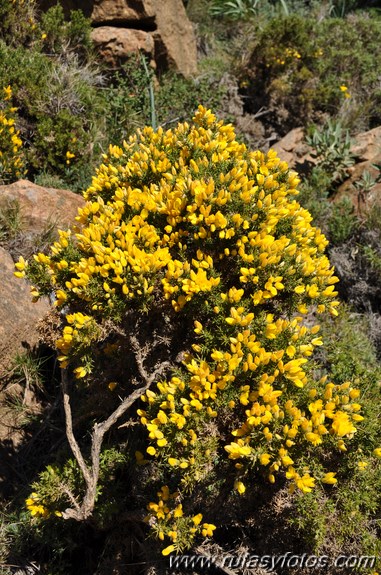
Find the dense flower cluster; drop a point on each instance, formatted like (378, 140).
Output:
(168, 520)
(190, 217)
(35, 507)
(11, 154)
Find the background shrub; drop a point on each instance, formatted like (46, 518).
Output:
(57, 95)
(18, 22)
(297, 72)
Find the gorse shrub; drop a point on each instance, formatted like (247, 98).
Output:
(11, 152)
(61, 36)
(19, 23)
(188, 229)
(55, 83)
(298, 72)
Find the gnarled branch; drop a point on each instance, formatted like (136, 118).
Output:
(91, 472)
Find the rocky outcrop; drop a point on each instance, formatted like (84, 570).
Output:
(39, 208)
(366, 150)
(18, 314)
(116, 44)
(292, 147)
(363, 196)
(123, 11)
(175, 41)
(159, 28)
(367, 144)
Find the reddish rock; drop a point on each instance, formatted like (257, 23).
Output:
(366, 149)
(41, 207)
(18, 314)
(121, 11)
(116, 44)
(293, 149)
(367, 144)
(362, 199)
(162, 22)
(140, 24)
(175, 41)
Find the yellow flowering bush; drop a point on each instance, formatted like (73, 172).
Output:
(190, 227)
(11, 153)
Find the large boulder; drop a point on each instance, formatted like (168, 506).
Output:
(18, 314)
(367, 144)
(363, 196)
(40, 209)
(175, 41)
(159, 28)
(293, 149)
(115, 45)
(358, 186)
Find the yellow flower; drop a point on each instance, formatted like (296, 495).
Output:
(237, 450)
(7, 93)
(198, 327)
(178, 512)
(197, 519)
(168, 550)
(265, 459)
(240, 487)
(344, 90)
(19, 274)
(207, 529)
(377, 452)
(342, 424)
(35, 507)
(69, 156)
(80, 372)
(329, 478)
(305, 483)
